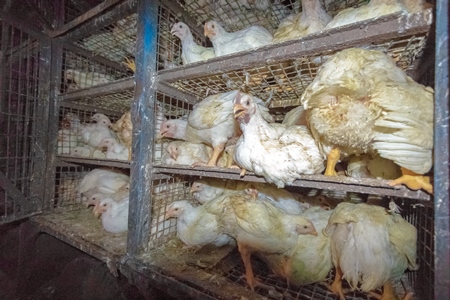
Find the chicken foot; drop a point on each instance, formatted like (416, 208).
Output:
(388, 293)
(130, 63)
(214, 157)
(413, 181)
(246, 252)
(332, 159)
(336, 286)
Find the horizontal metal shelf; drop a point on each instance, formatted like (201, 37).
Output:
(282, 71)
(338, 183)
(65, 159)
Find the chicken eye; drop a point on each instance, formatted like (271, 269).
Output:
(176, 209)
(104, 204)
(247, 103)
(167, 126)
(212, 25)
(305, 227)
(181, 26)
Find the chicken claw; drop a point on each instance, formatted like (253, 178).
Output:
(388, 293)
(413, 181)
(199, 164)
(333, 158)
(130, 64)
(336, 286)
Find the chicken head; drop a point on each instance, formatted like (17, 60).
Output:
(244, 107)
(97, 117)
(211, 29)
(176, 209)
(102, 207)
(180, 30)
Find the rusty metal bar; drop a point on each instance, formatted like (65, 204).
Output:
(83, 18)
(15, 194)
(89, 108)
(22, 26)
(339, 183)
(177, 94)
(117, 13)
(142, 113)
(441, 157)
(99, 90)
(356, 34)
(94, 162)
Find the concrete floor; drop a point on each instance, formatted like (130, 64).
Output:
(57, 271)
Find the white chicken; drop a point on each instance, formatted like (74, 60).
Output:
(313, 18)
(374, 9)
(257, 226)
(279, 154)
(361, 102)
(114, 149)
(114, 214)
(204, 191)
(93, 135)
(107, 180)
(190, 51)
(370, 248)
(195, 226)
(225, 43)
(87, 79)
(296, 116)
(211, 122)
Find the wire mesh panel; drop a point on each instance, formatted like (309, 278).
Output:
(75, 122)
(20, 136)
(235, 15)
(165, 192)
(74, 9)
(283, 82)
(166, 108)
(83, 71)
(66, 183)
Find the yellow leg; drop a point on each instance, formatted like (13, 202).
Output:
(413, 181)
(215, 155)
(333, 158)
(130, 64)
(336, 286)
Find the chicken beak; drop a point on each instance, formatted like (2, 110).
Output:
(173, 31)
(209, 33)
(97, 211)
(314, 233)
(193, 189)
(168, 214)
(239, 110)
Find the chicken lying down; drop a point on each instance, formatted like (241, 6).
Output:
(374, 9)
(211, 122)
(207, 190)
(114, 214)
(196, 226)
(94, 134)
(361, 102)
(86, 79)
(309, 261)
(313, 18)
(225, 43)
(95, 195)
(190, 51)
(280, 154)
(366, 166)
(370, 247)
(115, 149)
(105, 179)
(257, 226)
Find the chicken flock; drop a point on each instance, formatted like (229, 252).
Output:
(360, 109)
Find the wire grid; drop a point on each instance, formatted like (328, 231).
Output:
(119, 102)
(169, 46)
(116, 42)
(235, 15)
(421, 215)
(166, 107)
(74, 9)
(19, 107)
(284, 82)
(165, 192)
(67, 180)
(80, 71)
(69, 136)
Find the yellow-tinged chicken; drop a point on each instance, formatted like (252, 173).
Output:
(370, 247)
(124, 129)
(257, 226)
(366, 166)
(374, 9)
(361, 102)
(313, 18)
(279, 153)
(310, 259)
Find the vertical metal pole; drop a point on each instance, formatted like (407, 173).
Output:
(142, 112)
(40, 130)
(441, 156)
